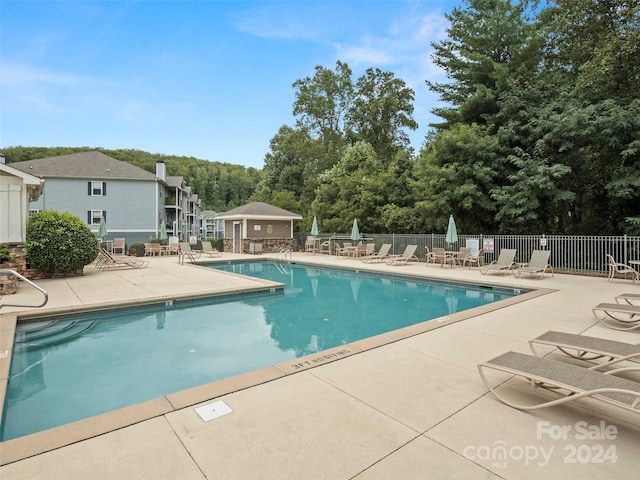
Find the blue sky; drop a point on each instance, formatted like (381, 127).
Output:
(208, 79)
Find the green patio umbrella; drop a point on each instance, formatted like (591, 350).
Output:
(355, 234)
(163, 232)
(102, 231)
(314, 227)
(452, 232)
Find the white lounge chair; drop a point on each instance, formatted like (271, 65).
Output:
(185, 251)
(576, 382)
(628, 298)
(207, 249)
(407, 255)
(537, 266)
(618, 316)
(503, 265)
(583, 347)
(378, 256)
(105, 261)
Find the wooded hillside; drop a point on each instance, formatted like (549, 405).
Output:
(220, 186)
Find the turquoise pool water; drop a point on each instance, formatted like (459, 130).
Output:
(72, 369)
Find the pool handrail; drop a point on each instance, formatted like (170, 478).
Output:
(7, 271)
(282, 254)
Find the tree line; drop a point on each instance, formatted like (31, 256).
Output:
(540, 130)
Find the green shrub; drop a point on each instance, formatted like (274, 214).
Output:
(5, 253)
(59, 241)
(137, 250)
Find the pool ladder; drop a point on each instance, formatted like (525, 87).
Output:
(12, 273)
(283, 254)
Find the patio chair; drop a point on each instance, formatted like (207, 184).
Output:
(503, 265)
(207, 249)
(365, 249)
(578, 382)
(325, 248)
(622, 269)
(310, 245)
(429, 256)
(442, 258)
(461, 255)
(119, 246)
(105, 261)
(407, 255)
(618, 316)
(155, 249)
(173, 248)
(378, 256)
(583, 347)
(477, 259)
(537, 266)
(344, 250)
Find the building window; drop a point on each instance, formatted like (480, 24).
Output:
(97, 189)
(33, 212)
(94, 216)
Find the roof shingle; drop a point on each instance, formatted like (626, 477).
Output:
(91, 164)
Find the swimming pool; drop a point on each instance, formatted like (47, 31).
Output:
(92, 364)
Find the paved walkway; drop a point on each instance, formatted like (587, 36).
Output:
(412, 409)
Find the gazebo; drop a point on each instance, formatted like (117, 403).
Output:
(258, 227)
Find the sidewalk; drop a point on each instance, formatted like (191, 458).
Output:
(414, 408)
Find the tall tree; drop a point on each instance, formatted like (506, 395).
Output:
(381, 111)
(595, 43)
(320, 106)
(351, 189)
(456, 172)
(593, 49)
(489, 43)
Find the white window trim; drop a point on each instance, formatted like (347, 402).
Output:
(96, 192)
(94, 217)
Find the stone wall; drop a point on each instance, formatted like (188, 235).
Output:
(269, 245)
(18, 262)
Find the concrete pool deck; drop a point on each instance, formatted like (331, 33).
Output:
(412, 408)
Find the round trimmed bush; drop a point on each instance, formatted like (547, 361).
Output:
(59, 241)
